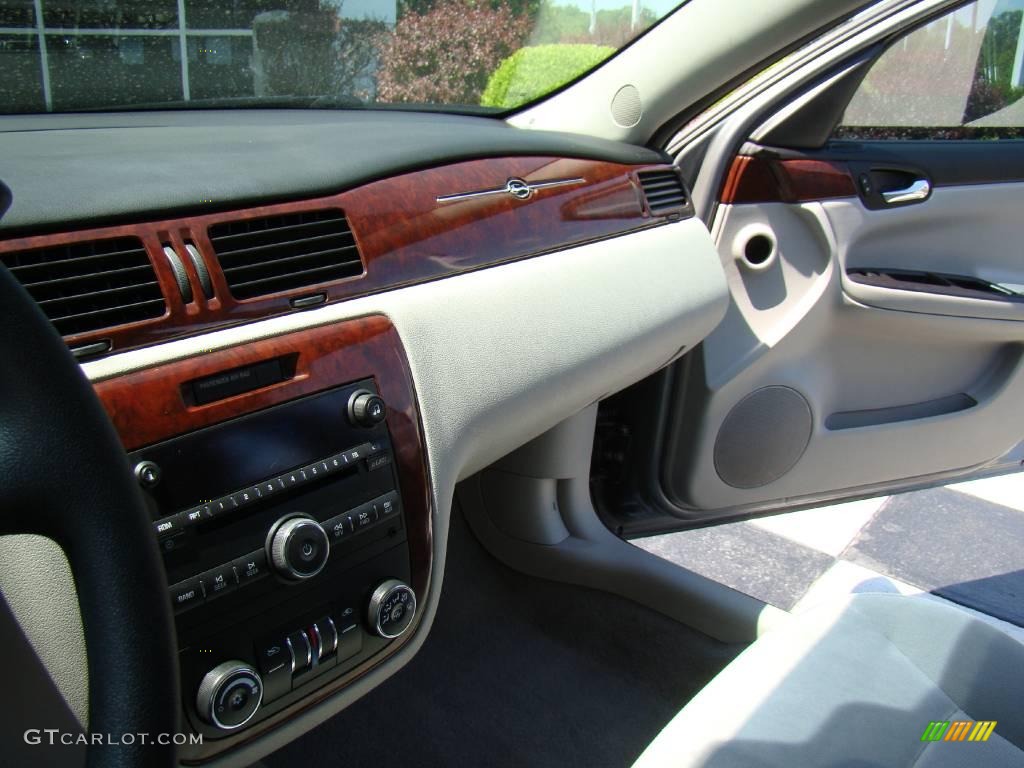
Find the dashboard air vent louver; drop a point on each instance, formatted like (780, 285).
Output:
(281, 253)
(87, 286)
(663, 190)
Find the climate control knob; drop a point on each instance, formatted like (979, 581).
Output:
(298, 547)
(229, 695)
(392, 608)
(366, 409)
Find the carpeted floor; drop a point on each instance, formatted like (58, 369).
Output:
(519, 671)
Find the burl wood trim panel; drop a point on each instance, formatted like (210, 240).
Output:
(404, 235)
(147, 406)
(764, 180)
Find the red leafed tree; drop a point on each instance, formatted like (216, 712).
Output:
(445, 55)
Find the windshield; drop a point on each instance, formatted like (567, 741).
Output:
(463, 55)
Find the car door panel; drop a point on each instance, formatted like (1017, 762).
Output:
(904, 379)
(961, 231)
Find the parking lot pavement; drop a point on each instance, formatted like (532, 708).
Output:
(962, 543)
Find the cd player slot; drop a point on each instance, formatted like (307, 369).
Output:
(237, 381)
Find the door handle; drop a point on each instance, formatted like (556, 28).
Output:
(918, 190)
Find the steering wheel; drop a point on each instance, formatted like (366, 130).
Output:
(64, 475)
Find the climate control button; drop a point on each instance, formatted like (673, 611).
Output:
(392, 608)
(298, 547)
(229, 695)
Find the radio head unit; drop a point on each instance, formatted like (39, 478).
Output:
(284, 540)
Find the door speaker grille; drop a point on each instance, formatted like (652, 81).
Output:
(763, 437)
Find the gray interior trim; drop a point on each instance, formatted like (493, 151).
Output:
(795, 325)
(874, 416)
(37, 585)
(506, 506)
(960, 230)
(72, 169)
(683, 60)
(499, 356)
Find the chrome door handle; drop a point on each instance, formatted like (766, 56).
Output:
(919, 190)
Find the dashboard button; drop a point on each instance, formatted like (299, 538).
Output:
(222, 506)
(169, 526)
(244, 498)
(328, 633)
(186, 594)
(193, 516)
(269, 487)
(388, 504)
(363, 516)
(346, 620)
(251, 567)
(338, 527)
(294, 478)
(353, 455)
(302, 651)
(275, 664)
(350, 638)
(379, 461)
(219, 581)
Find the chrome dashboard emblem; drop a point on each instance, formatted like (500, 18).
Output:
(517, 188)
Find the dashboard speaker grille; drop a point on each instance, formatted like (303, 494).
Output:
(663, 191)
(282, 253)
(90, 285)
(627, 109)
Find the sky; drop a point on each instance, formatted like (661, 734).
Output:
(662, 7)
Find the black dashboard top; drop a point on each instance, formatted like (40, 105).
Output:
(94, 168)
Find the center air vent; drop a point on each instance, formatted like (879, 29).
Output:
(87, 286)
(281, 253)
(663, 190)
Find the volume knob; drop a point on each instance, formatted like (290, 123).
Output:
(299, 547)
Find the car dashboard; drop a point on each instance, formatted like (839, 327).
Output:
(307, 328)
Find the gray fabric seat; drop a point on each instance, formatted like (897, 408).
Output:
(856, 685)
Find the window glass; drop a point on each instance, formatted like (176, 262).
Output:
(20, 78)
(960, 76)
(469, 55)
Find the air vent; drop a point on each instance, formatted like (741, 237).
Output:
(663, 190)
(282, 253)
(87, 286)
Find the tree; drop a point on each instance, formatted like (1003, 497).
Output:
(445, 56)
(314, 53)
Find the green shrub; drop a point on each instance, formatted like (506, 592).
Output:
(533, 71)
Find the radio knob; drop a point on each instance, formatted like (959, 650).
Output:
(366, 409)
(229, 695)
(392, 608)
(299, 547)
